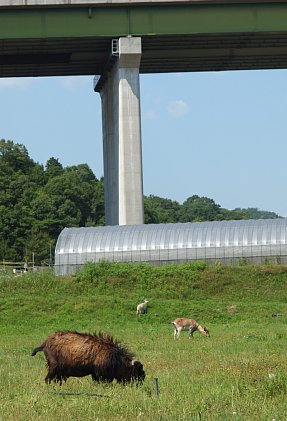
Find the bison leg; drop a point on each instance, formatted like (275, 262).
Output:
(95, 378)
(99, 379)
(53, 371)
(52, 374)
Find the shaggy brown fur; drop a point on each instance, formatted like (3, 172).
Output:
(80, 354)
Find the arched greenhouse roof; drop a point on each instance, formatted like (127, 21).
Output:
(190, 234)
(158, 242)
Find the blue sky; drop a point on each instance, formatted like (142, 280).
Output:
(222, 134)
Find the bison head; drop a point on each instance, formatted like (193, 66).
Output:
(138, 373)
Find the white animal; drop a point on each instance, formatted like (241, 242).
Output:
(142, 308)
(191, 325)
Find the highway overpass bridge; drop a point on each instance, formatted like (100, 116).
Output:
(119, 39)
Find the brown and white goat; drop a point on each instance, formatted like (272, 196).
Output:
(181, 323)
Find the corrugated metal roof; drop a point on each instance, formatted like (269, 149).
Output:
(158, 236)
(225, 241)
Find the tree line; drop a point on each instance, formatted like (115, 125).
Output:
(37, 201)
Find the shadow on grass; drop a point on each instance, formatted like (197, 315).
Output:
(98, 395)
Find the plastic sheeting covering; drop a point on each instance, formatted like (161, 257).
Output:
(225, 241)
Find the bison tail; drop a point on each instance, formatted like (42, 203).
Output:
(38, 349)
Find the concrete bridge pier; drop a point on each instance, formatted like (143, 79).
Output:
(121, 121)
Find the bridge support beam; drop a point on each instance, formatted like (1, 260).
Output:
(120, 95)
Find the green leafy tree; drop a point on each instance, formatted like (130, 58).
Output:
(97, 216)
(16, 156)
(159, 210)
(39, 247)
(64, 201)
(37, 202)
(255, 213)
(232, 214)
(18, 185)
(197, 208)
(53, 168)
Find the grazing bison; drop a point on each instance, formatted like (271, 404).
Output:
(74, 354)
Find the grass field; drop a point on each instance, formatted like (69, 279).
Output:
(239, 373)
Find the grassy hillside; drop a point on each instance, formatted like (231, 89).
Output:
(239, 373)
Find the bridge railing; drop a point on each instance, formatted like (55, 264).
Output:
(61, 3)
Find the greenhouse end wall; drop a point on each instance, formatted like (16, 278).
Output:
(254, 241)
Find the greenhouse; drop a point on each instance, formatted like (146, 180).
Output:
(226, 241)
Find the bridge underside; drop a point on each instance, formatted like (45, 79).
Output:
(54, 41)
(151, 38)
(160, 54)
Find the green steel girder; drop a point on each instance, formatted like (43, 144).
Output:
(177, 19)
(70, 40)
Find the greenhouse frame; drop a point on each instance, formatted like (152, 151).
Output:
(252, 240)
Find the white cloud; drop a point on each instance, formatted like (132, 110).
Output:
(150, 115)
(178, 108)
(14, 82)
(74, 82)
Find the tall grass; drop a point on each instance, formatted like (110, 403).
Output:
(237, 374)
